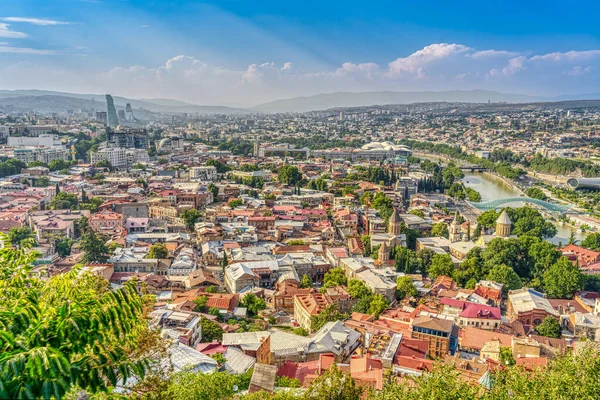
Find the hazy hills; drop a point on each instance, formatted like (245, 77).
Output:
(60, 102)
(50, 101)
(348, 99)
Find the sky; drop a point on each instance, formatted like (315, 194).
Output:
(242, 53)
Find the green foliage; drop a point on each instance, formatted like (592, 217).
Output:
(63, 246)
(300, 331)
(253, 303)
(418, 213)
(57, 165)
(333, 385)
(289, 175)
(211, 289)
(210, 330)
(443, 383)
(64, 201)
(357, 289)
(328, 314)
(562, 279)
(18, 235)
(506, 356)
(220, 167)
(68, 331)
(284, 381)
(441, 264)
(295, 242)
(317, 184)
(200, 303)
(11, 166)
(193, 385)
(592, 242)
(94, 247)
(405, 288)
(536, 193)
(214, 189)
(378, 305)
(235, 203)
(189, 218)
(440, 230)
(549, 327)
(158, 251)
(91, 205)
(334, 277)
(306, 282)
(505, 275)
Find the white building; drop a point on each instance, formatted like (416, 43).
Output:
(41, 140)
(43, 154)
(120, 157)
(203, 173)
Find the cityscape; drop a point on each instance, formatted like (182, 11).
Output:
(381, 232)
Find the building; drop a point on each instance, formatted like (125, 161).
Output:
(128, 138)
(503, 224)
(111, 112)
(441, 334)
(308, 305)
(529, 306)
(129, 113)
(42, 154)
(203, 173)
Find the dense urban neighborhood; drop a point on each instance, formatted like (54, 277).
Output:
(420, 251)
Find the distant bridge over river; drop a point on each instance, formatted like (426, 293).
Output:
(499, 203)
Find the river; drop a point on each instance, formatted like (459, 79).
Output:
(492, 188)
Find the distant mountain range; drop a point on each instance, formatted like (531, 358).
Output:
(51, 101)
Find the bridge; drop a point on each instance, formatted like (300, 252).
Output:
(472, 168)
(498, 203)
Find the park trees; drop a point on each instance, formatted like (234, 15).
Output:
(562, 279)
(94, 247)
(505, 275)
(289, 175)
(405, 288)
(440, 230)
(441, 264)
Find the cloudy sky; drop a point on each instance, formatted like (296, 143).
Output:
(242, 52)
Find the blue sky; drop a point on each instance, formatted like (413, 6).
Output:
(246, 52)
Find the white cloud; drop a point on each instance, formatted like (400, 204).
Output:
(5, 32)
(568, 56)
(439, 66)
(578, 71)
(415, 62)
(486, 54)
(35, 21)
(26, 50)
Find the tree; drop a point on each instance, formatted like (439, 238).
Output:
(536, 193)
(94, 248)
(57, 165)
(562, 279)
(505, 275)
(64, 201)
(210, 330)
(211, 289)
(235, 203)
(378, 305)
(425, 256)
(18, 235)
(220, 167)
(333, 385)
(592, 242)
(200, 303)
(549, 328)
(295, 242)
(289, 175)
(158, 251)
(63, 246)
(441, 264)
(334, 277)
(328, 314)
(442, 383)
(306, 282)
(69, 331)
(440, 229)
(253, 303)
(357, 289)
(193, 385)
(214, 189)
(405, 288)
(189, 218)
(506, 356)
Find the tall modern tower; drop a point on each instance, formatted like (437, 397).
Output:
(128, 112)
(113, 120)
